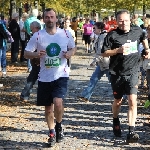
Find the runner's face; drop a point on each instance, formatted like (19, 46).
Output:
(50, 19)
(123, 21)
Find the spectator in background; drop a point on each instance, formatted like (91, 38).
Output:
(148, 36)
(92, 21)
(2, 20)
(67, 18)
(14, 29)
(146, 63)
(3, 37)
(23, 36)
(74, 26)
(144, 17)
(134, 22)
(41, 20)
(102, 66)
(67, 27)
(93, 37)
(148, 32)
(33, 76)
(32, 17)
(112, 22)
(107, 26)
(137, 19)
(58, 24)
(80, 24)
(87, 31)
(61, 22)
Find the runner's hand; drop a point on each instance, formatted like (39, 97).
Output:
(67, 54)
(147, 56)
(40, 53)
(122, 49)
(92, 64)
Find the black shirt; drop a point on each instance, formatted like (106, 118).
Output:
(14, 29)
(123, 64)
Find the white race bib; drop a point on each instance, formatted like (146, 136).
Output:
(131, 48)
(54, 61)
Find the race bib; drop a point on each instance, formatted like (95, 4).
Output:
(131, 47)
(52, 61)
(89, 29)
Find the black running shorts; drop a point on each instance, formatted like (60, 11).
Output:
(87, 39)
(124, 85)
(47, 91)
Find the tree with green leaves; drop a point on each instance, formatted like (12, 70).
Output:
(76, 7)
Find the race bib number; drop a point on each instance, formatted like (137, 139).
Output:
(89, 29)
(52, 62)
(130, 48)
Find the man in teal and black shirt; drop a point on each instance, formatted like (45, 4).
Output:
(32, 17)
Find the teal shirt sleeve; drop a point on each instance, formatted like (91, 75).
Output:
(26, 27)
(140, 22)
(4, 26)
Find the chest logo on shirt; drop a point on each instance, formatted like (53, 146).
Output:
(53, 50)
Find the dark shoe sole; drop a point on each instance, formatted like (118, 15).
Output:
(58, 140)
(51, 144)
(132, 140)
(117, 132)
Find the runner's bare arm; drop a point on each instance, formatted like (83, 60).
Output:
(146, 47)
(71, 52)
(113, 52)
(31, 55)
(145, 44)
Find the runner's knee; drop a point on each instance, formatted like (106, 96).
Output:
(117, 102)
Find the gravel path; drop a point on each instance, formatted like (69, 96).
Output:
(87, 126)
